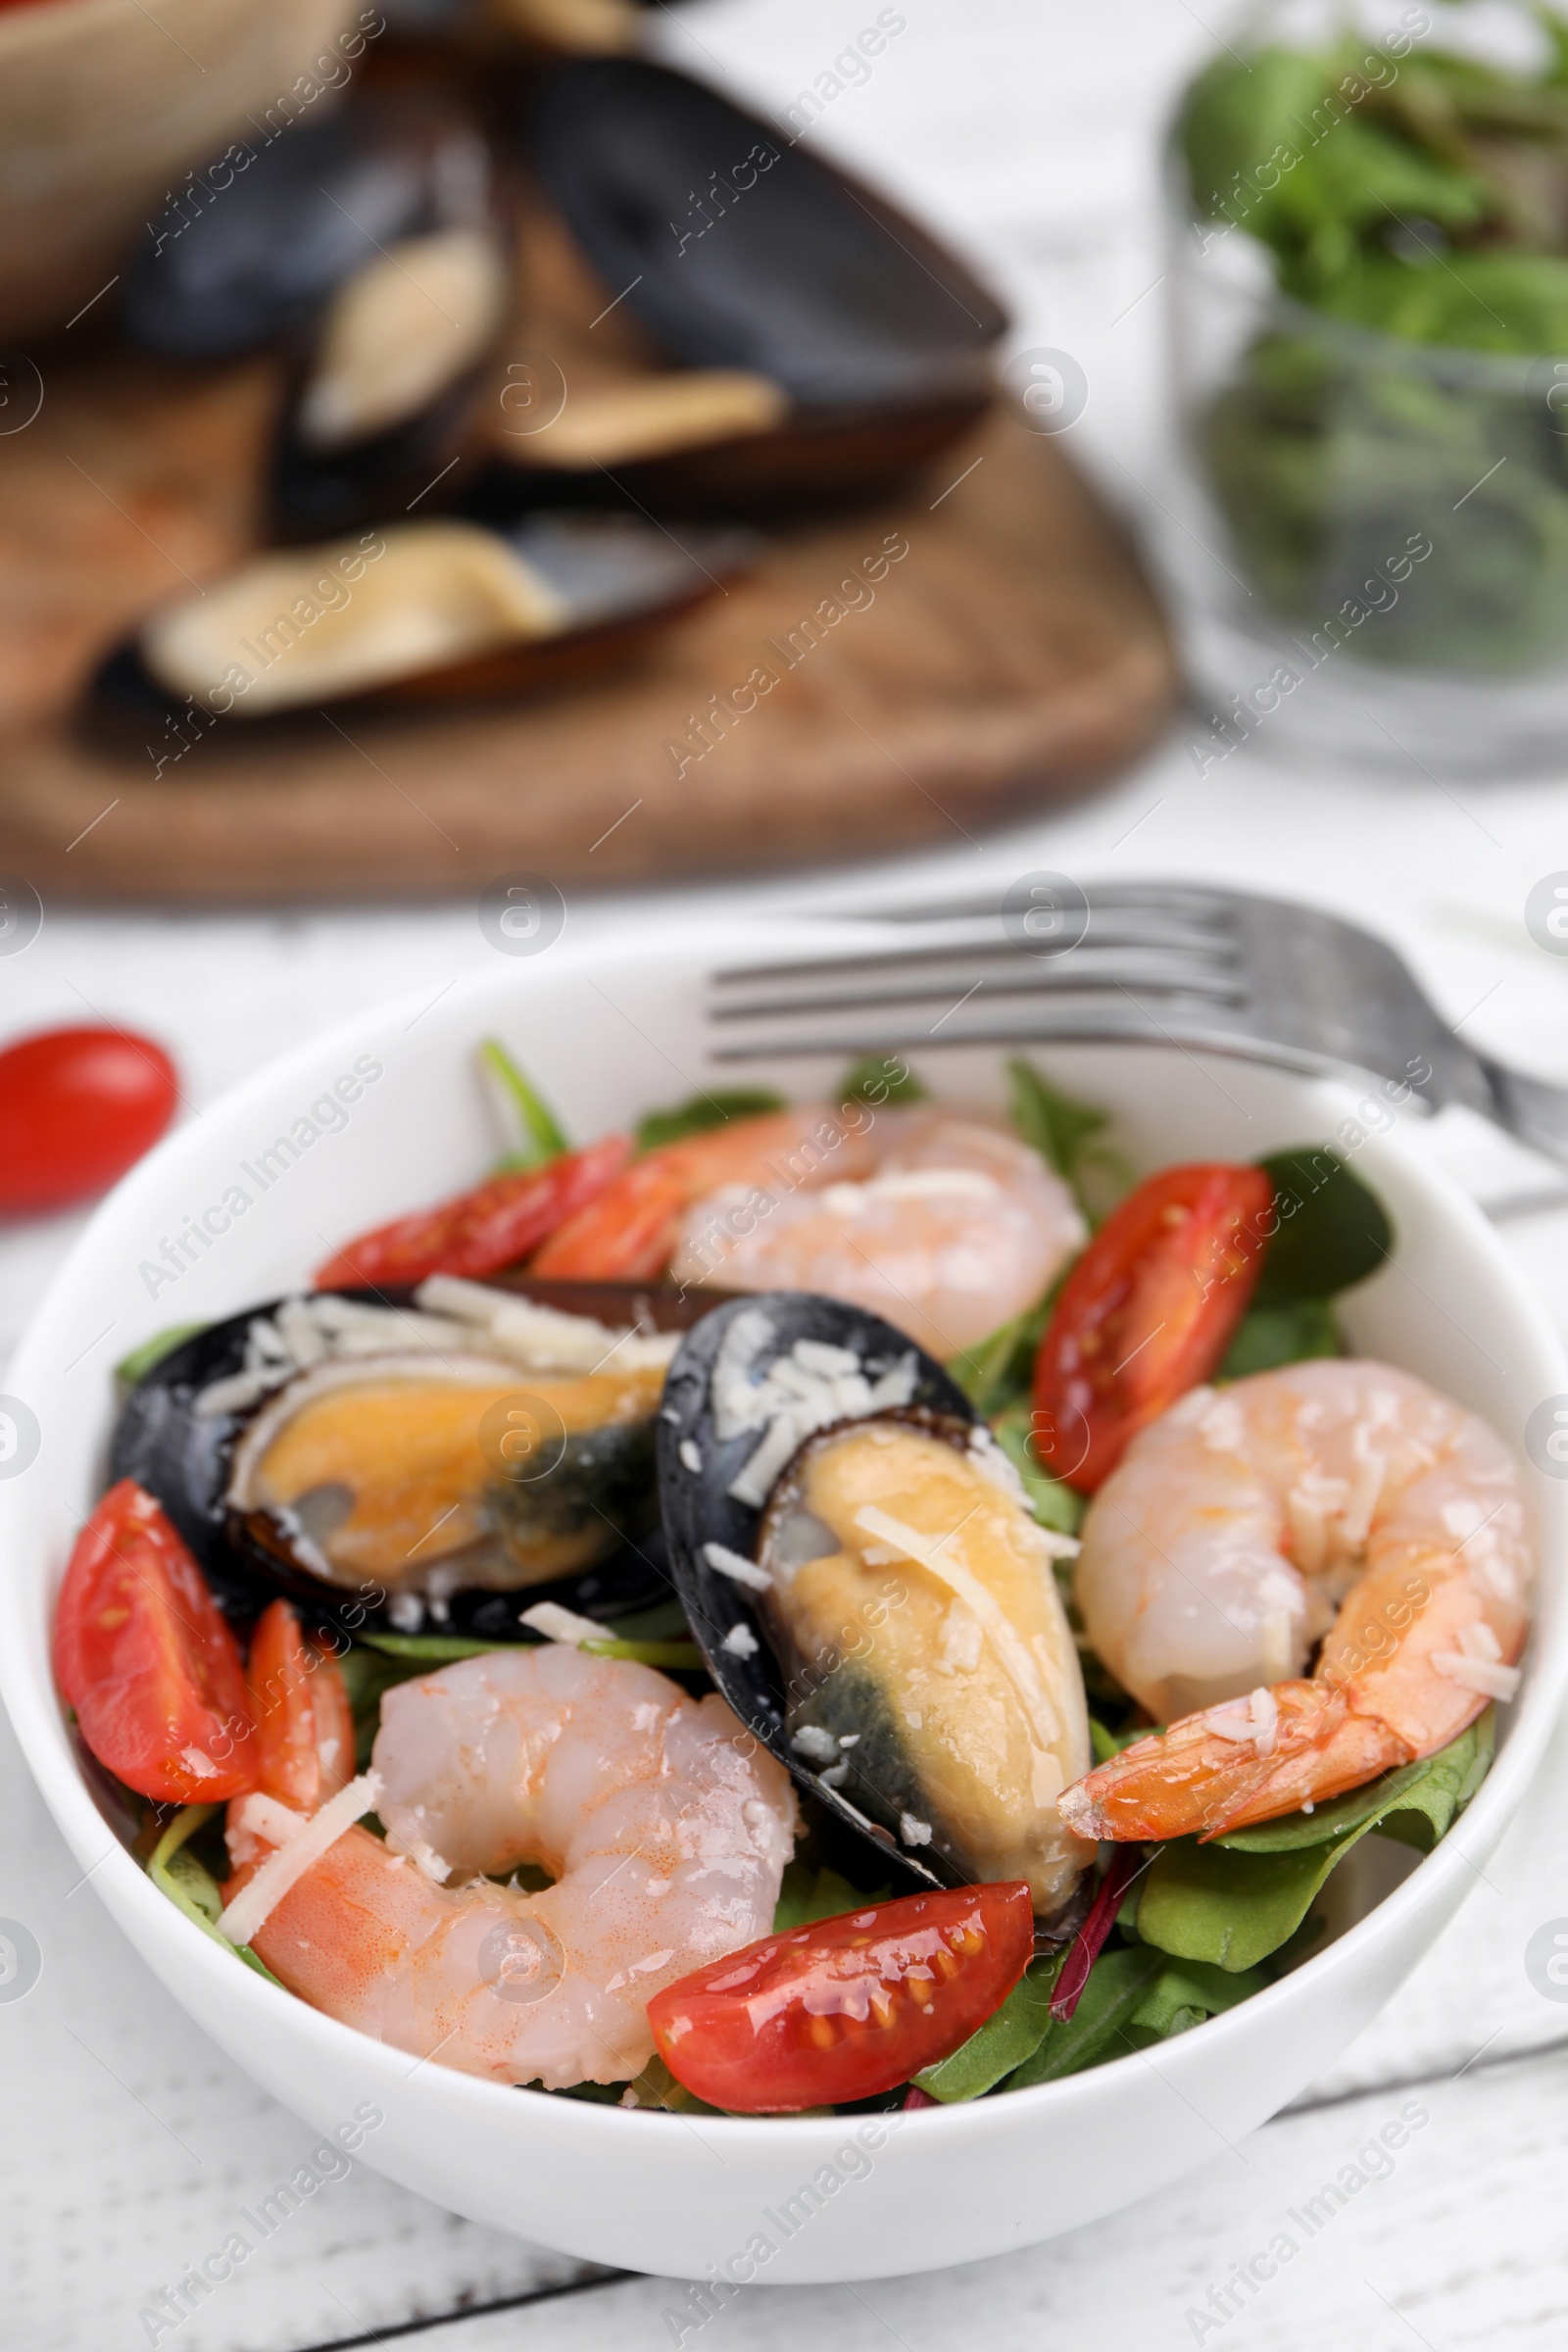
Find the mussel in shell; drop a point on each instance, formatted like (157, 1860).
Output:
(425, 608)
(870, 1590)
(742, 253)
(284, 217)
(377, 412)
(452, 1460)
(410, 1474)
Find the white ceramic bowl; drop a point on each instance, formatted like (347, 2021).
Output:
(608, 1032)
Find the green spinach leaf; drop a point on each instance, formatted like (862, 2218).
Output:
(140, 1361)
(806, 1894)
(1333, 1231)
(1002, 2045)
(703, 1112)
(1271, 1336)
(880, 1078)
(1234, 1901)
(1118, 1984)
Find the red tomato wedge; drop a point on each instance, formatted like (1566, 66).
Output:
(304, 1723)
(630, 1232)
(145, 1657)
(846, 2007)
(77, 1108)
(478, 1233)
(1147, 1312)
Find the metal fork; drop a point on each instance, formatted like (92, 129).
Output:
(1218, 970)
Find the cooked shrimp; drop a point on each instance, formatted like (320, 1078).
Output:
(664, 1829)
(956, 1229)
(1335, 1501)
(628, 1232)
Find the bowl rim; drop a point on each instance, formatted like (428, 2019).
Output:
(37, 1718)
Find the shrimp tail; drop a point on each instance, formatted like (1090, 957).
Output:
(1246, 1760)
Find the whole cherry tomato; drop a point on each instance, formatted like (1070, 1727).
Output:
(304, 1723)
(77, 1108)
(846, 2007)
(145, 1657)
(478, 1233)
(1147, 1312)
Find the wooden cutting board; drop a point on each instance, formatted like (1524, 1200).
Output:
(1010, 659)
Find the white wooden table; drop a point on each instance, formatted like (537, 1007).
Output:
(1026, 127)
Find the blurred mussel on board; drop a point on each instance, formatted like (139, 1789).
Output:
(464, 491)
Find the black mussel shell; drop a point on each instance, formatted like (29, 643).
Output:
(698, 1508)
(264, 233)
(184, 1461)
(738, 250)
(319, 494)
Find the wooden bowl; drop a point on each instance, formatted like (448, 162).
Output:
(103, 109)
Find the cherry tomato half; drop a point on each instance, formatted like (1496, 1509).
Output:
(304, 1723)
(1147, 1312)
(77, 1108)
(478, 1233)
(846, 2007)
(148, 1662)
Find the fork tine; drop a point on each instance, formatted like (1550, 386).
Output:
(1045, 1024)
(1071, 976)
(1205, 947)
(1195, 902)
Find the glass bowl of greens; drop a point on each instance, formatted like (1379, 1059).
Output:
(1369, 272)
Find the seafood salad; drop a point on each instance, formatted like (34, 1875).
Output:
(796, 1605)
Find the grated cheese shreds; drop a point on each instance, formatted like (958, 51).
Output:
(1481, 1675)
(557, 1624)
(257, 1901)
(810, 1389)
(732, 1564)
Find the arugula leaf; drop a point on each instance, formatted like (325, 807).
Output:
(1011, 2034)
(1061, 1130)
(1054, 1504)
(703, 1112)
(535, 1133)
(997, 1371)
(444, 1650)
(425, 1650)
(1106, 1744)
(807, 1895)
(1117, 1985)
(190, 1885)
(1234, 1901)
(1333, 1231)
(140, 1361)
(880, 1078)
(1271, 1336)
